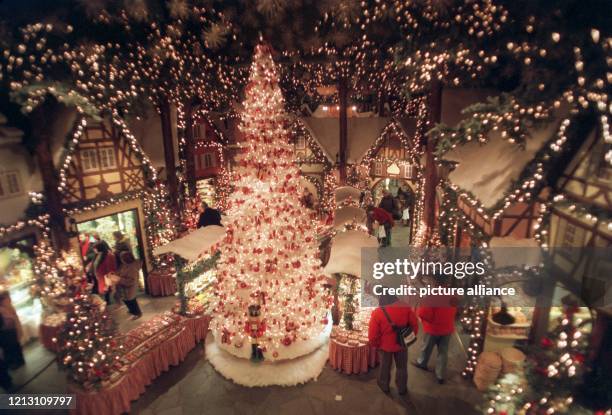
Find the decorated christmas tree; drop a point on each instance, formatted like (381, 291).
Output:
(87, 348)
(559, 367)
(271, 299)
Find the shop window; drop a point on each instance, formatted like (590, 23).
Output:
(408, 171)
(208, 160)
(89, 160)
(199, 131)
(10, 184)
(378, 168)
(17, 275)
(300, 142)
(107, 158)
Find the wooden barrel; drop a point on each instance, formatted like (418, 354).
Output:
(488, 369)
(512, 360)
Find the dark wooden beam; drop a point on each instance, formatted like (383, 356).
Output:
(431, 173)
(343, 103)
(42, 119)
(171, 179)
(190, 173)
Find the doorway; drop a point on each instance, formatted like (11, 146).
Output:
(392, 185)
(127, 222)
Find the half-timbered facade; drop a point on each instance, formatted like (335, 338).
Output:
(103, 164)
(393, 153)
(310, 156)
(580, 221)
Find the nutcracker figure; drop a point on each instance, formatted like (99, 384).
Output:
(255, 328)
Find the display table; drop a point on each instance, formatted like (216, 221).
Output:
(352, 359)
(349, 350)
(151, 349)
(161, 282)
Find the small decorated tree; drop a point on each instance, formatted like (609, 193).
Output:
(50, 283)
(506, 397)
(270, 285)
(87, 348)
(559, 366)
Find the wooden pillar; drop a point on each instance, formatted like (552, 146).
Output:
(541, 311)
(431, 174)
(381, 103)
(343, 103)
(189, 155)
(42, 121)
(168, 139)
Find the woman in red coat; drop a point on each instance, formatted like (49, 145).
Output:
(384, 219)
(382, 336)
(438, 320)
(104, 264)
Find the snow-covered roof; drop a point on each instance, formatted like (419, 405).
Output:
(348, 214)
(194, 244)
(487, 171)
(345, 254)
(361, 134)
(344, 192)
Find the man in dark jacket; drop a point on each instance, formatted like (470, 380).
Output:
(209, 216)
(388, 203)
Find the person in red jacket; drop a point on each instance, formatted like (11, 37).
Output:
(382, 336)
(438, 319)
(103, 264)
(384, 219)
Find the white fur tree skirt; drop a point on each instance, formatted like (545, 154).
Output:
(295, 350)
(283, 373)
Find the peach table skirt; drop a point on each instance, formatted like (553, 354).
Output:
(352, 359)
(116, 398)
(46, 334)
(161, 284)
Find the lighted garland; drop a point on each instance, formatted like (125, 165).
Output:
(41, 222)
(411, 146)
(328, 199)
(318, 156)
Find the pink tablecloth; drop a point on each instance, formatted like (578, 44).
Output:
(161, 284)
(46, 334)
(352, 359)
(116, 398)
(198, 326)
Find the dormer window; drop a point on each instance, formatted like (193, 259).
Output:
(107, 158)
(10, 184)
(300, 142)
(89, 160)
